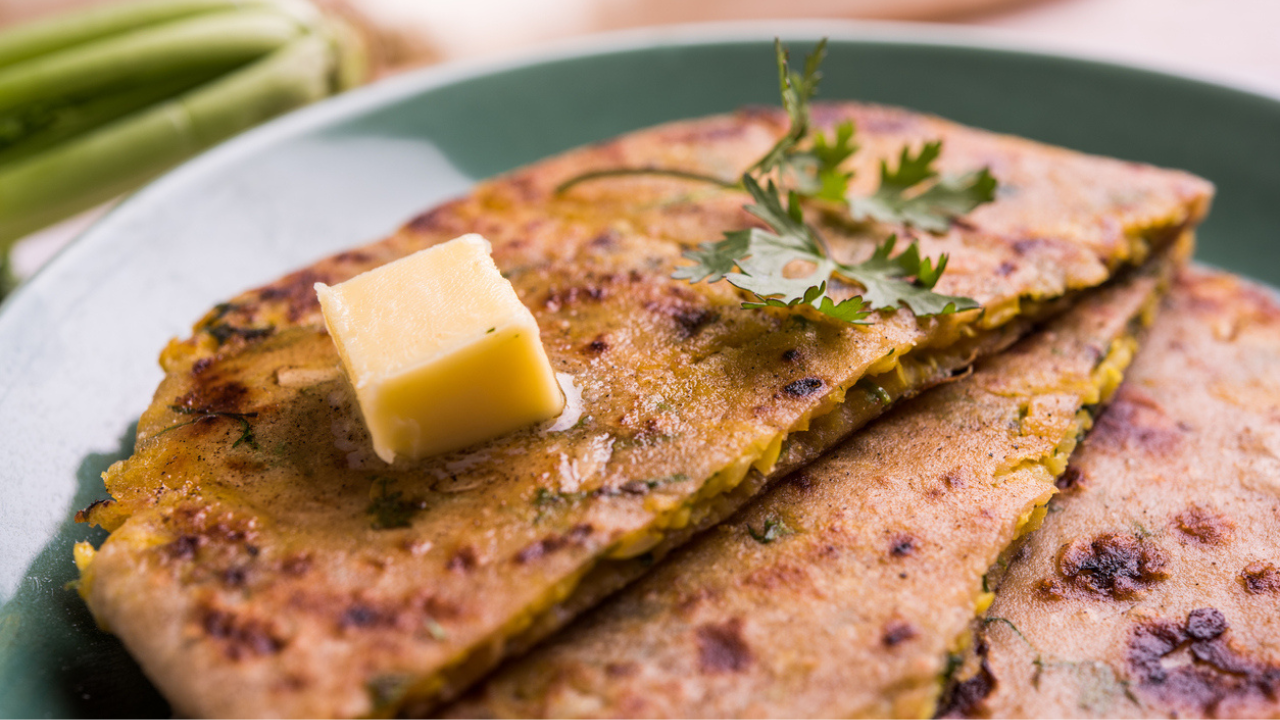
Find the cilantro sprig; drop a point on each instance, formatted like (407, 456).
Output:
(915, 194)
(813, 170)
(773, 529)
(757, 260)
(808, 164)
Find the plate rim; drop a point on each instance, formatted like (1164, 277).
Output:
(388, 91)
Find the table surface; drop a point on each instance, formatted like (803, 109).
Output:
(1226, 37)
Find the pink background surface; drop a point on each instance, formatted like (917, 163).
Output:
(1233, 40)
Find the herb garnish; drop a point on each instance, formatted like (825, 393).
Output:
(640, 487)
(761, 257)
(246, 430)
(875, 392)
(222, 332)
(914, 194)
(815, 171)
(545, 498)
(772, 530)
(391, 510)
(808, 164)
(386, 691)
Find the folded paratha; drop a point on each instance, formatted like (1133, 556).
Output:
(1153, 588)
(258, 544)
(841, 592)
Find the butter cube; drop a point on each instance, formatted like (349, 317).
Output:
(441, 352)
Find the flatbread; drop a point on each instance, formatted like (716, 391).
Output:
(1153, 589)
(841, 591)
(258, 544)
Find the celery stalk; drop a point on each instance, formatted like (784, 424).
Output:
(8, 278)
(352, 52)
(300, 74)
(220, 40)
(22, 136)
(118, 157)
(63, 31)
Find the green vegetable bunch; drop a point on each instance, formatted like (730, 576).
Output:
(95, 103)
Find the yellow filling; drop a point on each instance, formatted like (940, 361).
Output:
(470, 662)
(676, 513)
(1103, 381)
(888, 378)
(1110, 372)
(83, 553)
(997, 314)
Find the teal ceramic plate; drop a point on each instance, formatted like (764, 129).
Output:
(78, 344)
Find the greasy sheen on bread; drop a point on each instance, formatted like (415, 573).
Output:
(257, 543)
(1153, 587)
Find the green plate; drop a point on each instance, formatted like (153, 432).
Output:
(79, 342)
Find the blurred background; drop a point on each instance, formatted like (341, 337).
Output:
(1237, 41)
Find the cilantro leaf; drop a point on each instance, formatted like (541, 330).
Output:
(389, 509)
(773, 529)
(797, 89)
(831, 183)
(762, 257)
(852, 310)
(713, 260)
(814, 171)
(757, 260)
(914, 194)
(881, 276)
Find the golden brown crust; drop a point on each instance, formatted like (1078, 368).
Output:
(840, 592)
(1151, 589)
(257, 541)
